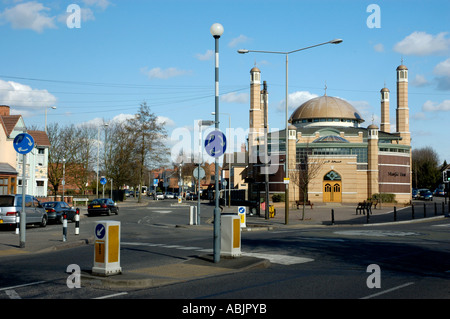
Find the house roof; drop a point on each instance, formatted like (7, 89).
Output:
(5, 168)
(40, 138)
(9, 122)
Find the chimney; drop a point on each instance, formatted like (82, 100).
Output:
(4, 110)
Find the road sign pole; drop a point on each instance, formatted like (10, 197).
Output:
(23, 144)
(198, 195)
(23, 214)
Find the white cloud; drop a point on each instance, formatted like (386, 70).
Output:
(204, 57)
(103, 4)
(165, 120)
(158, 73)
(430, 106)
(419, 81)
(23, 99)
(234, 97)
(29, 15)
(240, 39)
(422, 43)
(295, 100)
(443, 68)
(379, 47)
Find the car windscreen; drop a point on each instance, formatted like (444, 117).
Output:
(49, 204)
(6, 201)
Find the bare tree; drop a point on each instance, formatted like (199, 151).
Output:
(148, 133)
(307, 170)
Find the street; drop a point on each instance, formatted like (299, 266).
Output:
(412, 261)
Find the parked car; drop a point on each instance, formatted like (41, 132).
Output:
(56, 210)
(415, 193)
(191, 196)
(439, 192)
(159, 195)
(425, 194)
(103, 206)
(169, 195)
(12, 204)
(128, 193)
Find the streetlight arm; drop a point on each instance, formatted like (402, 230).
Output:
(334, 41)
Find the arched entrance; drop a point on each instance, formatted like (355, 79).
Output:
(332, 187)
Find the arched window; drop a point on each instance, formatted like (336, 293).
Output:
(332, 176)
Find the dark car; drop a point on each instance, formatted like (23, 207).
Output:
(102, 206)
(56, 210)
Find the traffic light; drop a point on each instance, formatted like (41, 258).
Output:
(446, 176)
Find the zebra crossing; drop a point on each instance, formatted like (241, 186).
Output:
(272, 257)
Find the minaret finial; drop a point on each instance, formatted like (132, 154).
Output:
(325, 88)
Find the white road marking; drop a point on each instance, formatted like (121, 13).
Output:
(24, 285)
(376, 233)
(273, 258)
(12, 294)
(387, 291)
(111, 296)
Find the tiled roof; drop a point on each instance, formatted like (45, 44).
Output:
(9, 122)
(40, 138)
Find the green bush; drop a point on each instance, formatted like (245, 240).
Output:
(384, 198)
(279, 197)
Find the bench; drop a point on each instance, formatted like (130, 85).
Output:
(363, 207)
(300, 203)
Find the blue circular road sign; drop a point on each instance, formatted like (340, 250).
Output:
(23, 143)
(215, 143)
(103, 180)
(100, 231)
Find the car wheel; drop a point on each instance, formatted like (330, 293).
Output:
(43, 222)
(109, 212)
(117, 211)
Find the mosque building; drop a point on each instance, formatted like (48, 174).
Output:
(332, 157)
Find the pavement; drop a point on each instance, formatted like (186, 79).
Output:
(321, 215)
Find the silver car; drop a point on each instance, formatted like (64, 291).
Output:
(12, 204)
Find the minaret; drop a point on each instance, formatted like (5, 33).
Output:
(372, 159)
(256, 125)
(385, 125)
(402, 105)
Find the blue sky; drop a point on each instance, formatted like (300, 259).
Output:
(160, 51)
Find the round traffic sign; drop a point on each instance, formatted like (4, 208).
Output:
(103, 180)
(199, 173)
(215, 143)
(23, 143)
(100, 231)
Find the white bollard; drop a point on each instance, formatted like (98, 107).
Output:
(65, 227)
(77, 222)
(17, 223)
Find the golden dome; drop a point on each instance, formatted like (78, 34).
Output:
(327, 108)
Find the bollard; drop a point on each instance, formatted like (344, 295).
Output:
(424, 210)
(332, 216)
(64, 227)
(18, 222)
(192, 215)
(368, 217)
(435, 209)
(77, 222)
(412, 211)
(395, 214)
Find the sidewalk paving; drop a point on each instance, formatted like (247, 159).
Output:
(51, 239)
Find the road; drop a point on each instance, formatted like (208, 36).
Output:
(404, 261)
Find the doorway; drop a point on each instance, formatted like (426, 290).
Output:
(332, 188)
